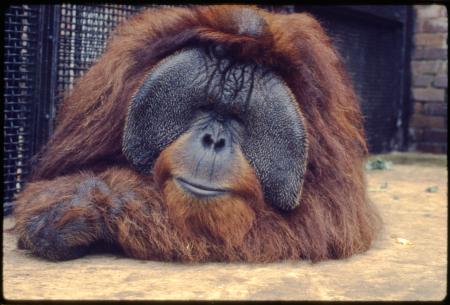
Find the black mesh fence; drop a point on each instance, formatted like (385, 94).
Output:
(20, 53)
(47, 47)
(83, 32)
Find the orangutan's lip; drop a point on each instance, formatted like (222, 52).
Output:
(198, 189)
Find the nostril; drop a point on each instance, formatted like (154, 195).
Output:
(207, 140)
(220, 144)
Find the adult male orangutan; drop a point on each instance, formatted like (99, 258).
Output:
(221, 133)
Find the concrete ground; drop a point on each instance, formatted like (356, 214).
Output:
(408, 262)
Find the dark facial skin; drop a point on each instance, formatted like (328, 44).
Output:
(223, 106)
(209, 153)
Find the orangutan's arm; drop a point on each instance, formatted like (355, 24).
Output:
(62, 218)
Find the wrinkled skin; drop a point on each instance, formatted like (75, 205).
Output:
(201, 92)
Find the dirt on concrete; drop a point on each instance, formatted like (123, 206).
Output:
(407, 262)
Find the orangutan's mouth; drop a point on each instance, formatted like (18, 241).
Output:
(199, 190)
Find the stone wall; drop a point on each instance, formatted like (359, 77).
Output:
(428, 124)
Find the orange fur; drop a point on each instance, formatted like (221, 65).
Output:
(335, 219)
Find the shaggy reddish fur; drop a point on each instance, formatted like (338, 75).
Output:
(155, 220)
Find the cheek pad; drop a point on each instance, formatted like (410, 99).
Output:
(161, 109)
(275, 143)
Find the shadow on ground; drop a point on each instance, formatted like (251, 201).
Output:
(408, 262)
